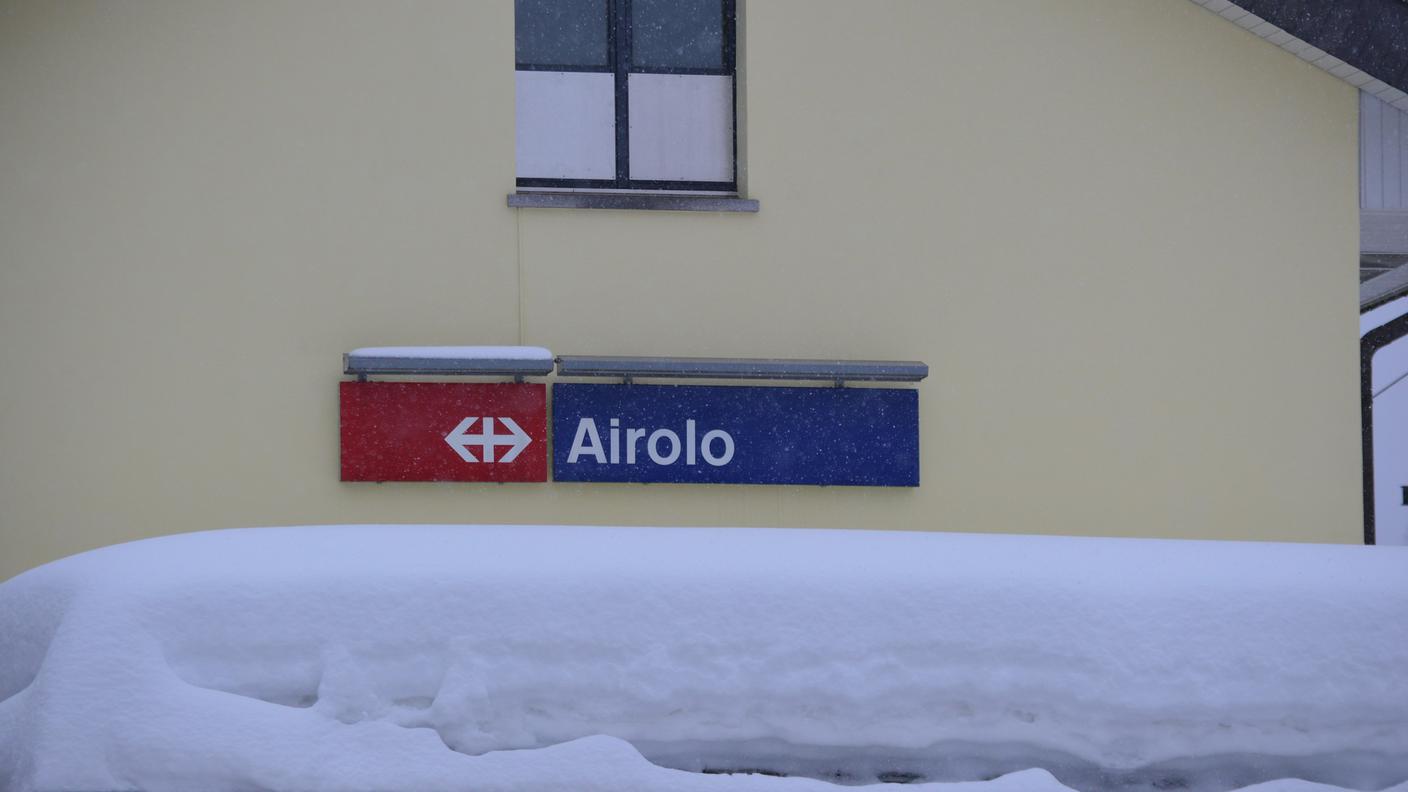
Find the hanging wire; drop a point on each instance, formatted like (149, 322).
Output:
(1399, 379)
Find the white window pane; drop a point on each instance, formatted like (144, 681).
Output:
(681, 127)
(566, 125)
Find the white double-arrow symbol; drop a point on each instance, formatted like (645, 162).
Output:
(460, 439)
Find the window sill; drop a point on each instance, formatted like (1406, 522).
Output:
(665, 203)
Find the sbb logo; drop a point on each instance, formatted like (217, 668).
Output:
(443, 431)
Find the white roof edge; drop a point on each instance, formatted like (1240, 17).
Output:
(1301, 49)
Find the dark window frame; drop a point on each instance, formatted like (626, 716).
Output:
(1369, 345)
(619, 51)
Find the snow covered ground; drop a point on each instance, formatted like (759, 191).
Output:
(416, 657)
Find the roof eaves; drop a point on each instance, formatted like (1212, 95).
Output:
(1386, 287)
(1363, 42)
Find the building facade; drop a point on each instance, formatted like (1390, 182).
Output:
(1120, 234)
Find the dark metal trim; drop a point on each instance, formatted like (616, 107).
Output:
(730, 8)
(478, 367)
(731, 63)
(695, 71)
(1371, 343)
(629, 184)
(668, 203)
(742, 368)
(547, 67)
(622, 51)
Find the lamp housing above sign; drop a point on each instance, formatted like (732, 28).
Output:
(742, 368)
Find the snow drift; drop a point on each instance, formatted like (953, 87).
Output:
(411, 657)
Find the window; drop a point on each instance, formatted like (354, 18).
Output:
(625, 94)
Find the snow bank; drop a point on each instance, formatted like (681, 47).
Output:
(400, 657)
(454, 353)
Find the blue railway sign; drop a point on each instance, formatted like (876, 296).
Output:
(735, 435)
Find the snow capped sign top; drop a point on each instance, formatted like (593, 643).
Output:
(517, 361)
(447, 352)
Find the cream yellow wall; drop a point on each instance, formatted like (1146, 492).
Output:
(1121, 234)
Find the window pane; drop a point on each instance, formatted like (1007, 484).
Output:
(682, 127)
(566, 124)
(560, 32)
(678, 33)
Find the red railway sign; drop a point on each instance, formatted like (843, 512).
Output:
(433, 431)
